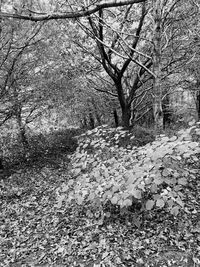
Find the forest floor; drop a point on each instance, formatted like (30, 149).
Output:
(34, 232)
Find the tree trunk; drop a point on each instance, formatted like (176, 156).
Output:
(24, 138)
(116, 118)
(98, 118)
(96, 111)
(126, 115)
(125, 107)
(167, 113)
(22, 133)
(158, 116)
(157, 89)
(1, 165)
(198, 105)
(84, 122)
(91, 121)
(132, 119)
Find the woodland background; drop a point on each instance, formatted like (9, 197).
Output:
(99, 126)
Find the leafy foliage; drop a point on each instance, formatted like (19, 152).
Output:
(153, 175)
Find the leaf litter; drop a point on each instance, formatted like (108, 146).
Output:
(35, 231)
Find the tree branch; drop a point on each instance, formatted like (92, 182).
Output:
(135, 42)
(69, 15)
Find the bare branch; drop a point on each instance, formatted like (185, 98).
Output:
(94, 87)
(104, 91)
(137, 119)
(118, 36)
(124, 57)
(69, 15)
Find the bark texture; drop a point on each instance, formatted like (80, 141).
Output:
(157, 88)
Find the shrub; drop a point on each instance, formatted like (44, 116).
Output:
(153, 175)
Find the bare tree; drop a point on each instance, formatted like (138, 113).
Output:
(19, 101)
(119, 54)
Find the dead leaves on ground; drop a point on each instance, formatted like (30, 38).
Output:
(34, 232)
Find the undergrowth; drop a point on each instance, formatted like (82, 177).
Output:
(43, 148)
(104, 172)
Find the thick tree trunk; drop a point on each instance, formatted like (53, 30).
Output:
(126, 116)
(125, 107)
